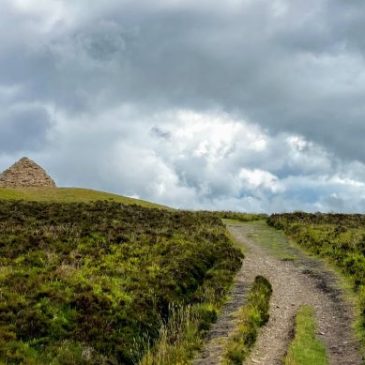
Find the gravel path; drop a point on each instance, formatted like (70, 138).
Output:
(303, 281)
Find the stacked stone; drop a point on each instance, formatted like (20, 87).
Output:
(25, 173)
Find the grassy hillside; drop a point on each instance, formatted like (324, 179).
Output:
(94, 283)
(339, 238)
(65, 195)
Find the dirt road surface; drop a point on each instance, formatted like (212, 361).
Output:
(295, 282)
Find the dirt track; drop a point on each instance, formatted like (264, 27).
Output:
(302, 281)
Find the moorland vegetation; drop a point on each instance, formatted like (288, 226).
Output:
(94, 283)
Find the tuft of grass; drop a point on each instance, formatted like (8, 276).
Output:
(306, 348)
(253, 315)
(68, 195)
(182, 335)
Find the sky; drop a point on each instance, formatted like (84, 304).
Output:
(247, 105)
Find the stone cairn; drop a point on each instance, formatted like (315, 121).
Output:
(25, 173)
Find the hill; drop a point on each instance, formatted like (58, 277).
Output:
(26, 180)
(67, 195)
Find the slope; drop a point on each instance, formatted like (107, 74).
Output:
(94, 283)
(66, 195)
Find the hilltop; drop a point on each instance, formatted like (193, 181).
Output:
(68, 195)
(26, 180)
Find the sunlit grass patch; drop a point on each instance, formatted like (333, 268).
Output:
(67, 195)
(306, 348)
(264, 235)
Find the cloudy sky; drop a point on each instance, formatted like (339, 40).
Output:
(251, 105)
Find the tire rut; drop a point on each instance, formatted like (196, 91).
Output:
(216, 339)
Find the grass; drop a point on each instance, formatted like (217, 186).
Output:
(253, 315)
(237, 216)
(274, 240)
(66, 195)
(306, 349)
(181, 336)
(107, 283)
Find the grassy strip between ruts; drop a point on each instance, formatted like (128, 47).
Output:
(306, 348)
(253, 315)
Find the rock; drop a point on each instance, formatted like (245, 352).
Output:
(25, 173)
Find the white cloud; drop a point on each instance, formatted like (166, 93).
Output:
(205, 160)
(259, 179)
(45, 15)
(297, 142)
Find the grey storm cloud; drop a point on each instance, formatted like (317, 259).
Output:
(120, 84)
(23, 128)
